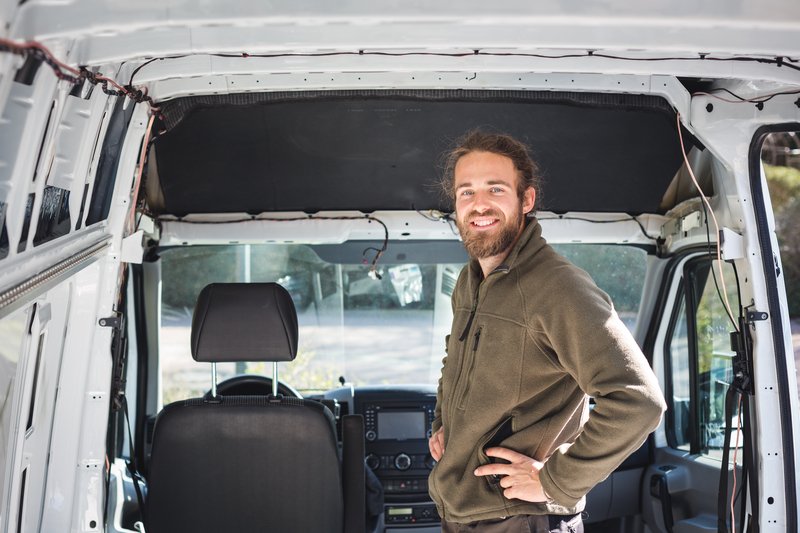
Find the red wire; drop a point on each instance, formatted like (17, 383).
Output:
(20, 47)
(139, 172)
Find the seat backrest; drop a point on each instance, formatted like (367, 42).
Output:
(245, 463)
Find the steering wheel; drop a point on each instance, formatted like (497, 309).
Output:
(251, 385)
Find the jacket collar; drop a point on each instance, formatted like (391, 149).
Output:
(529, 243)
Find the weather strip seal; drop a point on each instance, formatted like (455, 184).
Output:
(771, 279)
(12, 298)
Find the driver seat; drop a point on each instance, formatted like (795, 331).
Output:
(252, 463)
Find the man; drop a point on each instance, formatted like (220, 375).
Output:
(532, 338)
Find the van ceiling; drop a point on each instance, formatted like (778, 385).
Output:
(381, 150)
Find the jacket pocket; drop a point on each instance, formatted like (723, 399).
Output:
(495, 438)
(465, 376)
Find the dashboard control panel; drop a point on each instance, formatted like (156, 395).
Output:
(397, 426)
(396, 430)
(416, 513)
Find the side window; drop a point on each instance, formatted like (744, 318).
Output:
(780, 154)
(680, 391)
(701, 359)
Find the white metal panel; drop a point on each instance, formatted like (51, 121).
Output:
(13, 334)
(22, 463)
(23, 120)
(749, 26)
(70, 423)
(76, 143)
(52, 321)
(402, 225)
(78, 488)
(727, 131)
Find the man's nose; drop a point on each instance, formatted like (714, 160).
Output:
(480, 202)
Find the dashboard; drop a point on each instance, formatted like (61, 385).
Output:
(397, 425)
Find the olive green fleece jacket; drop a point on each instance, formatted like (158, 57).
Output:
(532, 342)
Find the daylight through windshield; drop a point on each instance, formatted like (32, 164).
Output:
(367, 329)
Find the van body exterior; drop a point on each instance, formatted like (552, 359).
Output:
(79, 255)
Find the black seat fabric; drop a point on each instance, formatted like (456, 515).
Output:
(244, 322)
(244, 464)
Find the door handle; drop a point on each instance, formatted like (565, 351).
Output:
(659, 489)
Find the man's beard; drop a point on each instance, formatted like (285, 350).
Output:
(487, 244)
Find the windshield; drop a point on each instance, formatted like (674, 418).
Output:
(368, 329)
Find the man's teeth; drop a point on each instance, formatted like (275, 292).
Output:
(483, 222)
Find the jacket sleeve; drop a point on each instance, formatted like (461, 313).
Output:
(592, 344)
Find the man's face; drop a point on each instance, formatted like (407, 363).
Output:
(489, 213)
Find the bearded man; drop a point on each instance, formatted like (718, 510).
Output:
(532, 339)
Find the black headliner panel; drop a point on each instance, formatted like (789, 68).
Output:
(372, 153)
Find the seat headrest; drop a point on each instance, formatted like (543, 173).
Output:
(244, 322)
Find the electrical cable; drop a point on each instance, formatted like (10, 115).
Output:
(735, 451)
(713, 272)
(140, 67)
(139, 171)
(778, 61)
(747, 465)
(713, 217)
(738, 288)
(76, 76)
(432, 215)
(616, 221)
(740, 99)
(378, 251)
(453, 225)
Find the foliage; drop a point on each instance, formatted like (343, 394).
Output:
(618, 270)
(784, 189)
(783, 184)
(787, 222)
(308, 370)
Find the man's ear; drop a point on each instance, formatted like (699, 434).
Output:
(528, 200)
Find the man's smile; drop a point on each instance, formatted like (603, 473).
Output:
(484, 222)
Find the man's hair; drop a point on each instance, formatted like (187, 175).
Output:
(495, 143)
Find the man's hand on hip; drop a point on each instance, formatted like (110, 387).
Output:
(521, 475)
(436, 444)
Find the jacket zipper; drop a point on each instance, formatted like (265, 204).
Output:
(466, 372)
(465, 368)
(463, 335)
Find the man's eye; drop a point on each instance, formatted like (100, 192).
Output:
(496, 189)
(466, 193)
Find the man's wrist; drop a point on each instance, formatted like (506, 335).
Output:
(547, 497)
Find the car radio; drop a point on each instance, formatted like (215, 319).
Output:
(396, 430)
(397, 445)
(388, 421)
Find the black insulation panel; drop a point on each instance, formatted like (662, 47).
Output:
(603, 153)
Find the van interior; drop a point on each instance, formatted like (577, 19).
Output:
(225, 274)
